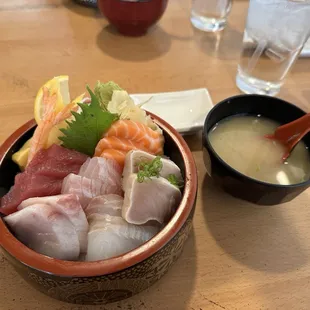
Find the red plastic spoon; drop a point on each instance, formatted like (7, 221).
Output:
(290, 134)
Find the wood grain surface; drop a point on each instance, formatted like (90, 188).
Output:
(239, 256)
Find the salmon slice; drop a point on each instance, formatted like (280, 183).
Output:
(137, 132)
(120, 144)
(126, 135)
(117, 155)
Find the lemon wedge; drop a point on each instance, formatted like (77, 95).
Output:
(58, 85)
(21, 157)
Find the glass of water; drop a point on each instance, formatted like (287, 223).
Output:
(275, 34)
(210, 15)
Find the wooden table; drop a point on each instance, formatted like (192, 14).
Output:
(240, 256)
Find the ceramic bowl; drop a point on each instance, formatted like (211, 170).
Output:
(132, 17)
(108, 280)
(234, 182)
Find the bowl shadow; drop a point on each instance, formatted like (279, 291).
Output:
(225, 44)
(257, 236)
(150, 46)
(162, 295)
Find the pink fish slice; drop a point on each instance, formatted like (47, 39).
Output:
(290, 134)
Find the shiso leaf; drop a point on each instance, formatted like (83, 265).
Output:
(86, 130)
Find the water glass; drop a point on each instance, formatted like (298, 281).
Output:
(275, 34)
(210, 15)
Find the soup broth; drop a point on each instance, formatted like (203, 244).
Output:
(240, 142)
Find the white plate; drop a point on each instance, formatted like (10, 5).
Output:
(184, 110)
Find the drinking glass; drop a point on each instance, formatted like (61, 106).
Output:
(210, 15)
(275, 34)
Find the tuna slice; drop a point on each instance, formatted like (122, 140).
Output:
(105, 170)
(46, 231)
(153, 199)
(133, 158)
(86, 188)
(69, 206)
(28, 185)
(58, 153)
(109, 234)
(43, 176)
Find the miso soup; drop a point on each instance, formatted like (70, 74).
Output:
(240, 142)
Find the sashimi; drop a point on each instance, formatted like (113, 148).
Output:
(45, 231)
(134, 158)
(27, 186)
(121, 144)
(117, 155)
(43, 176)
(108, 204)
(69, 206)
(59, 154)
(54, 169)
(103, 169)
(86, 188)
(110, 235)
(126, 135)
(154, 199)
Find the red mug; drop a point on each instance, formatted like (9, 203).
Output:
(132, 17)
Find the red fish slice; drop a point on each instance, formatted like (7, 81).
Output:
(290, 134)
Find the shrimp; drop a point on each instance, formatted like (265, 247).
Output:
(41, 132)
(49, 119)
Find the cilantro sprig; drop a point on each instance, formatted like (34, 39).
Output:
(85, 131)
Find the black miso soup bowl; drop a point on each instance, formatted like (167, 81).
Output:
(234, 182)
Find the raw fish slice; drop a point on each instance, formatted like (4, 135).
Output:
(45, 231)
(54, 169)
(43, 176)
(110, 235)
(142, 233)
(107, 204)
(86, 189)
(59, 154)
(153, 199)
(133, 159)
(105, 170)
(106, 244)
(137, 134)
(117, 155)
(121, 144)
(68, 205)
(27, 186)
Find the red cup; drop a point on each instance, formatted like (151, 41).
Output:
(132, 17)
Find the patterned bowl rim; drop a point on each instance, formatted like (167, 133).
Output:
(85, 269)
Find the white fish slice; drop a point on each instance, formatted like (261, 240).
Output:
(153, 199)
(86, 188)
(103, 169)
(68, 205)
(107, 204)
(110, 235)
(133, 158)
(45, 231)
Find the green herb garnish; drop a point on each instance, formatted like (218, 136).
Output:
(149, 169)
(174, 181)
(104, 92)
(84, 133)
